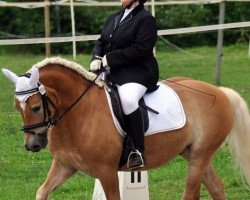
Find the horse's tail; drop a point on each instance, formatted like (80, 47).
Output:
(239, 137)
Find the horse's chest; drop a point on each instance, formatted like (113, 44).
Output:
(73, 159)
(68, 152)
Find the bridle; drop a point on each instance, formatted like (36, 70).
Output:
(46, 112)
(50, 122)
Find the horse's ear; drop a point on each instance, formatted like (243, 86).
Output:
(34, 77)
(10, 75)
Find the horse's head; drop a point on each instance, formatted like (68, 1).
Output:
(34, 106)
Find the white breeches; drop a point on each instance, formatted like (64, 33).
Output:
(130, 94)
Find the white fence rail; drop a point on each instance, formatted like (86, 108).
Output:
(108, 3)
(47, 39)
(74, 38)
(95, 37)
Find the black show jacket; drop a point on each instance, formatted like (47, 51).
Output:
(128, 46)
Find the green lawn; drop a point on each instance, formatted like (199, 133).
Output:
(22, 172)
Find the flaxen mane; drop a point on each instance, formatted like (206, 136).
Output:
(71, 65)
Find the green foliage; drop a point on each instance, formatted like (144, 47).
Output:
(22, 172)
(27, 23)
(181, 16)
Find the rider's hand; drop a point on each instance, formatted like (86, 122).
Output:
(104, 61)
(95, 65)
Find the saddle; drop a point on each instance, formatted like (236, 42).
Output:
(118, 112)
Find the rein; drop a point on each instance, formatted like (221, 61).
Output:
(47, 112)
(54, 122)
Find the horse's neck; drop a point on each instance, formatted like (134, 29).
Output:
(87, 124)
(64, 87)
(65, 82)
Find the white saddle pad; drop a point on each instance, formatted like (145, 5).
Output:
(164, 100)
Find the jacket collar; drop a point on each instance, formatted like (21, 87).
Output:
(133, 13)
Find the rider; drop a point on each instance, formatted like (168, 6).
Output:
(126, 46)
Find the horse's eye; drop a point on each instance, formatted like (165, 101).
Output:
(36, 108)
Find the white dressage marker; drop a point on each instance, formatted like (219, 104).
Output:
(133, 186)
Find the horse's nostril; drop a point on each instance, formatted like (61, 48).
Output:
(36, 148)
(27, 147)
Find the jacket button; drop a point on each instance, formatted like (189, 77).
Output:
(110, 35)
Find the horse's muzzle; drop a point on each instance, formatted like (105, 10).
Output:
(36, 143)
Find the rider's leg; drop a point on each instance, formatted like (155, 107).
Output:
(130, 95)
(134, 123)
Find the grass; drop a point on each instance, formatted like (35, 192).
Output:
(21, 172)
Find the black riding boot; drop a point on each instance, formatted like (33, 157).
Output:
(134, 123)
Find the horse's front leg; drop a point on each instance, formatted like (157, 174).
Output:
(110, 183)
(57, 175)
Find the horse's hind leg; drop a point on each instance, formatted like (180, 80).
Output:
(193, 183)
(201, 171)
(57, 175)
(213, 183)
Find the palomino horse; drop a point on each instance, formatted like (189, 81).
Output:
(82, 135)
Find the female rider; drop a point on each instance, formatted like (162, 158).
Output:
(126, 47)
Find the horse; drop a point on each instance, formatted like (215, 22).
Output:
(80, 134)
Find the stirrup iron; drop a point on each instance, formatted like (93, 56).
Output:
(137, 153)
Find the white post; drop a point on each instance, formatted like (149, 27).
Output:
(73, 28)
(153, 14)
(220, 44)
(132, 185)
(249, 48)
(153, 8)
(47, 28)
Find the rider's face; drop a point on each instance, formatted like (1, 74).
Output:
(125, 3)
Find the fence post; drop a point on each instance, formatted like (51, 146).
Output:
(220, 44)
(249, 47)
(73, 28)
(132, 185)
(153, 14)
(47, 27)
